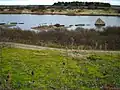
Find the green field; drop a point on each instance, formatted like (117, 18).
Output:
(53, 70)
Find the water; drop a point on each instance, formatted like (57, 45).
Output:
(35, 20)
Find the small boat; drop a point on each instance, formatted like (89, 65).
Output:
(20, 23)
(80, 25)
(9, 25)
(2, 23)
(58, 25)
(13, 22)
(87, 24)
(70, 25)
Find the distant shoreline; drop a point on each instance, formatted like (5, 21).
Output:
(74, 14)
(66, 14)
(61, 13)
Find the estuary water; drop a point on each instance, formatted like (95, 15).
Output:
(35, 20)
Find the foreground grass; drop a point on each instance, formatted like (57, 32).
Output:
(52, 70)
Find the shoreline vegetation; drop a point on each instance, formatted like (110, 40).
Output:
(80, 38)
(85, 12)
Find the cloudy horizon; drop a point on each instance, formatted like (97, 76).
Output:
(50, 2)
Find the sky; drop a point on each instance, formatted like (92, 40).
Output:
(50, 2)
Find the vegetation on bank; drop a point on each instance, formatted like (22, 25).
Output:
(64, 8)
(55, 11)
(107, 39)
(53, 70)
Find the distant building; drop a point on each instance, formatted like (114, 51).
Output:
(99, 22)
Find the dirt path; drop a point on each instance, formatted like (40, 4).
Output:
(33, 47)
(25, 46)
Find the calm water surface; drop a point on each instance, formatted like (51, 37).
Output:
(35, 20)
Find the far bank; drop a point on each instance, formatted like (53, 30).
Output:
(69, 12)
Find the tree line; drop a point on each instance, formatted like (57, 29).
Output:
(108, 39)
(98, 4)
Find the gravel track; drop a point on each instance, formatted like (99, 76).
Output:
(34, 47)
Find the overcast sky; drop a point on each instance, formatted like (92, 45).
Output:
(49, 2)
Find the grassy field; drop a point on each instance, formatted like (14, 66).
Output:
(24, 69)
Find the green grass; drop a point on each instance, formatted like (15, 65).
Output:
(52, 70)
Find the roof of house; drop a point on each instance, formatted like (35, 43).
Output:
(99, 22)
